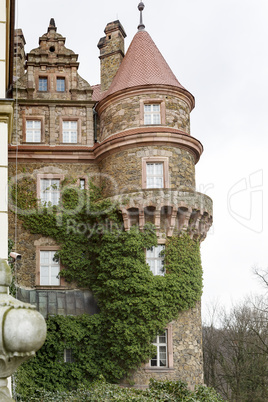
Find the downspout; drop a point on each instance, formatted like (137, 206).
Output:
(95, 114)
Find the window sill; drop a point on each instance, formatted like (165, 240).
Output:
(159, 369)
(154, 125)
(70, 143)
(50, 287)
(33, 143)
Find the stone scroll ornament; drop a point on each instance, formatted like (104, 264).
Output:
(22, 331)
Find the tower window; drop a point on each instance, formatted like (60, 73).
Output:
(152, 114)
(155, 259)
(154, 175)
(49, 269)
(160, 359)
(33, 131)
(42, 84)
(69, 131)
(68, 356)
(60, 84)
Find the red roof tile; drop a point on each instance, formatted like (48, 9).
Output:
(143, 64)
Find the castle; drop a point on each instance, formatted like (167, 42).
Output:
(131, 131)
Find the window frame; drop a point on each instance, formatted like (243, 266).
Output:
(40, 177)
(69, 119)
(169, 354)
(65, 359)
(60, 78)
(84, 178)
(152, 101)
(38, 267)
(156, 258)
(43, 77)
(163, 160)
(24, 128)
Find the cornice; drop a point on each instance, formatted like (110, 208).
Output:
(133, 138)
(145, 90)
(146, 136)
(58, 102)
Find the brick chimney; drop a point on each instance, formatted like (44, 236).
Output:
(19, 55)
(112, 51)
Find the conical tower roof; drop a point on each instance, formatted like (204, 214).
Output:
(142, 65)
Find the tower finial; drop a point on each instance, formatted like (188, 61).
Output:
(52, 23)
(52, 26)
(141, 26)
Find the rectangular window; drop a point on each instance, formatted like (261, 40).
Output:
(82, 184)
(155, 260)
(160, 359)
(33, 131)
(69, 131)
(68, 356)
(50, 191)
(49, 269)
(152, 114)
(154, 175)
(42, 84)
(60, 84)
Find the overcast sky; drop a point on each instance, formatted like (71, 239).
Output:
(218, 50)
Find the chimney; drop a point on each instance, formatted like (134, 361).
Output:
(19, 55)
(112, 52)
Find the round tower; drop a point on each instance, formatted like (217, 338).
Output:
(147, 160)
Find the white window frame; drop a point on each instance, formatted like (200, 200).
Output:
(160, 345)
(154, 179)
(49, 191)
(152, 114)
(53, 278)
(62, 84)
(155, 260)
(34, 133)
(67, 132)
(157, 160)
(82, 183)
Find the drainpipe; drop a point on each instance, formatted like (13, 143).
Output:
(95, 115)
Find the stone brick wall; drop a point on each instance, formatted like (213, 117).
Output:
(25, 241)
(125, 168)
(112, 50)
(187, 354)
(125, 113)
(52, 116)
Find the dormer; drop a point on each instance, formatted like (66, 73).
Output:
(52, 70)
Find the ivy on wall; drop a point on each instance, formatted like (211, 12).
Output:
(134, 304)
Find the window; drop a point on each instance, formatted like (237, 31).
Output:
(69, 131)
(42, 84)
(68, 356)
(152, 114)
(50, 191)
(60, 84)
(154, 175)
(82, 184)
(33, 131)
(49, 269)
(160, 359)
(155, 260)
(155, 172)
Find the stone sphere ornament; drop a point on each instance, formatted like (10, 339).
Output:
(22, 331)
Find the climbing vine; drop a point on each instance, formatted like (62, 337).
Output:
(134, 304)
